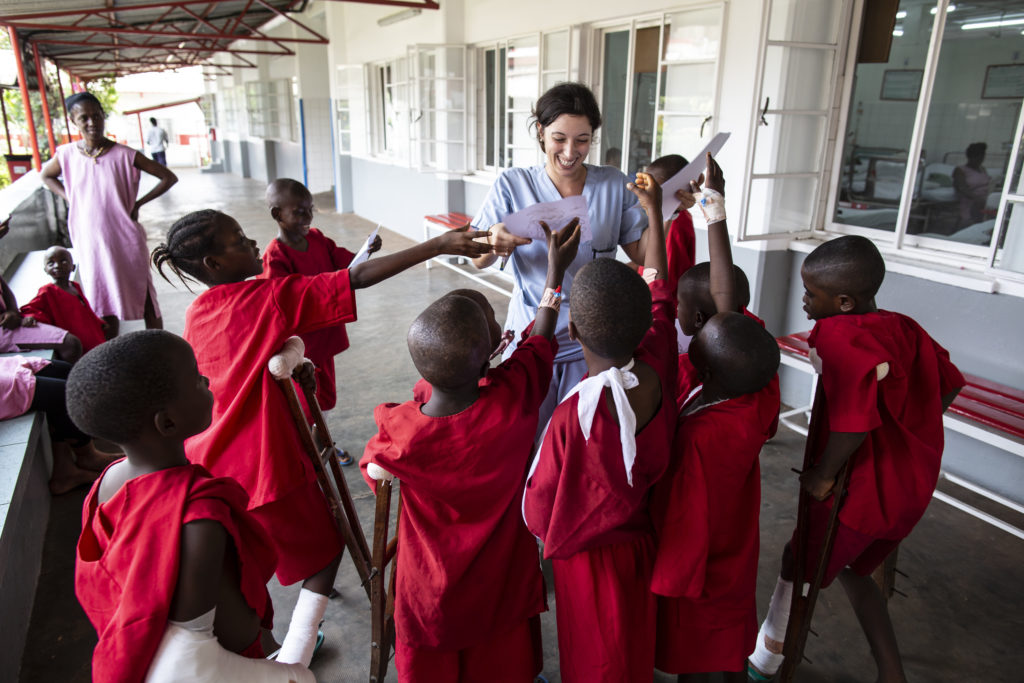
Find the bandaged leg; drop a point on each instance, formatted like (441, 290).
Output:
(301, 637)
(767, 654)
(190, 653)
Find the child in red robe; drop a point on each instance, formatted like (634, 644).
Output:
(588, 490)
(706, 508)
(307, 251)
(171, 568)
(236, 326)
(469, 587)
(63, 304)
(886, 384)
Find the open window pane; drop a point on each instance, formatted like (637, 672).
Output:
(791, 143)
(556, 51)
(805, 21)
(797, 77)
(679, 135)
(1010, 255)
(688, 88)
(781, 205)
(693, 35)
(613, 95)
(642, 102)
(970, 129)
(880, 124)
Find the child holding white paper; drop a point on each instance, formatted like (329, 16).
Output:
(302, 249)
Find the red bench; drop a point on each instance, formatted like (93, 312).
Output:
(450, 221)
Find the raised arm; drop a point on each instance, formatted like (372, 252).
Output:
(562, 246)
(648, 192)
(164, 174)
(722, 278)
(51, 178)
(458, 242)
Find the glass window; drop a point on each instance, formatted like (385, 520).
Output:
(613, 95)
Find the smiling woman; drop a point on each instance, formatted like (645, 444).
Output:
(566, 119)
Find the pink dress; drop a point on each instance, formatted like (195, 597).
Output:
(109, 246)
(18, 383)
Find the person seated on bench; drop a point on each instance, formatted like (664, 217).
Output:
(24, 334)
(886, 384)
(62, 303)
(469, 588)
(171, 568)
(33, 383)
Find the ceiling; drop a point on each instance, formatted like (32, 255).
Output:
(93, 39)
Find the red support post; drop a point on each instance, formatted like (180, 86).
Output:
(7, 129)
(142, 137)
(41, 85)
(23, 82)
(60, 89)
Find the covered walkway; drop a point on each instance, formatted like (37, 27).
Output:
(960, 619)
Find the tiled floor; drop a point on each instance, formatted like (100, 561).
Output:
(960, 620)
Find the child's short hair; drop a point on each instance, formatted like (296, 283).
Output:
(190, 239)
(739, 352)
(449, 342)
(695, 284)
(850, 264)
(667, 166)
(116, 388)
(610, 306)
(285, 187)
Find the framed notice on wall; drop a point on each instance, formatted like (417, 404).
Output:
(1003, 81)
(901, 84)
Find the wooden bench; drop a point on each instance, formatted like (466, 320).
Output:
(440, 222)
(984, 410)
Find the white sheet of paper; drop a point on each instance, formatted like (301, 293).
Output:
(526, 223)
(692, 171)
(364, 251)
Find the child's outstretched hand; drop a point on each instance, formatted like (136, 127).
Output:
(715, 177)
(460, 242)
(305, 374)
(562, 245)
(504, 242)
(375, 245)
(647, 190)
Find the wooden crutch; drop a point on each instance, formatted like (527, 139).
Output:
(338, 497)
(802, 606)
(382, 602)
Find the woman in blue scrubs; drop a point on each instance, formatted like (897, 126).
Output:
(566, 119)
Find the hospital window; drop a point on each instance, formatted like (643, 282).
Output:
(390, 130)
(439, 107)
(658, 83)
(931, 156)
(513, 73)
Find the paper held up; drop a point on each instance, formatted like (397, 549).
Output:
(692, 171)
(526, 222)
(364, 251)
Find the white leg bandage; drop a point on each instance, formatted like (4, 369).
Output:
(774, 627)
(300, 640)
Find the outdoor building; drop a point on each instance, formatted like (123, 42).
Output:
(823, 110)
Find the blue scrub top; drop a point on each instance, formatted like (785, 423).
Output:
(616, 218)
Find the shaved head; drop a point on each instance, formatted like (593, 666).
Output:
(610, 306)
(737, 352)
(283, 189)
(850, 264)
(449, 342)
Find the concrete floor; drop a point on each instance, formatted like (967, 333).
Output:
(960, 619)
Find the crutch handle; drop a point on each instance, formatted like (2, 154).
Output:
(287, 359)
(378, 473)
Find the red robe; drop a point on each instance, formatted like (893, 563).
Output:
(235, 329)
(128, 555)
(467, 566)
(54, 306)
(680, 247)
(896, 468)
(322, 255)
(597, 527)
(706, 511)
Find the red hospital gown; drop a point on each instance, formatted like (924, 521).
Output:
(128, 555)
(680, 247)
(706, 512)
(896, 468)
(597, 528)
(235, 329)
(54, 306)
(468, 569)
(322, 255)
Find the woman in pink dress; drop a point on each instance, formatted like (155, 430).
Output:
(100, 180)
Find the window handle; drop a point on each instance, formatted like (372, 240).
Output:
(704, 123)
(764, 121)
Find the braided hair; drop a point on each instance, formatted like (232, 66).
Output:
(190, 239)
